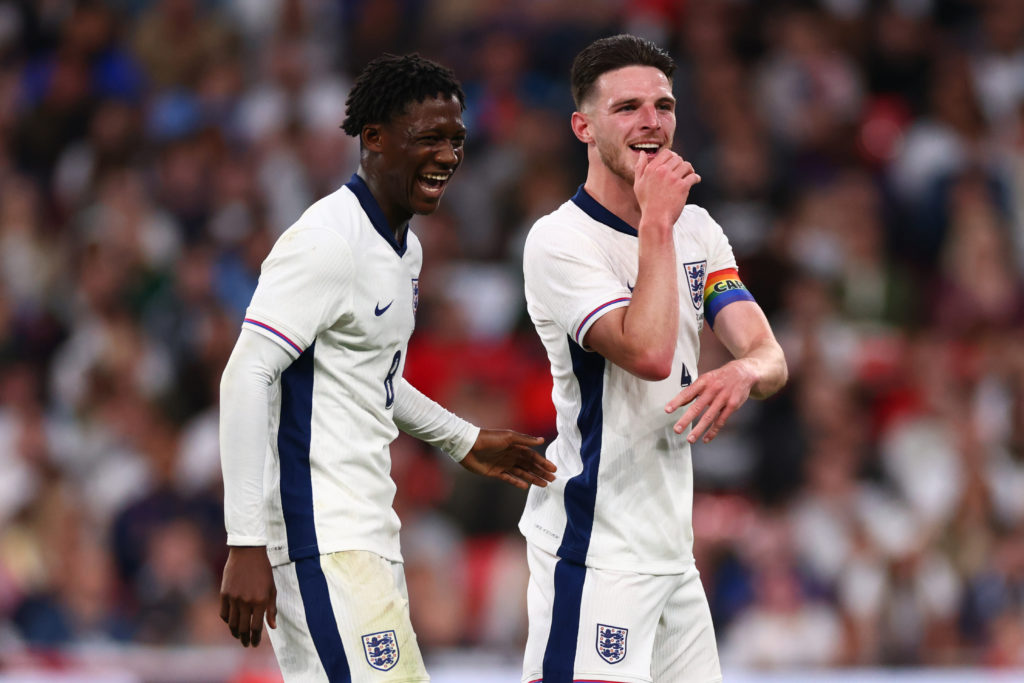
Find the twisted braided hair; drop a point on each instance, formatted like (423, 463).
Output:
(390, 83)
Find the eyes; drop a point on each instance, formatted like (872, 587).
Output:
(663, 105)
(433, 140)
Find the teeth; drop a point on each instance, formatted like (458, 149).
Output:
(646, 145)
(436, 176)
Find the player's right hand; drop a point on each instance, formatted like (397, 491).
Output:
(247, 593)
(662, 185)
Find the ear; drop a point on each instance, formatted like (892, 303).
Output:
(371, 137)
(581, 127)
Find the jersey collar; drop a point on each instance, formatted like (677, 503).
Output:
(376, 215)
(595, 210)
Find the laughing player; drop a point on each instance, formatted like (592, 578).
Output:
(313, 395)
(619, 281)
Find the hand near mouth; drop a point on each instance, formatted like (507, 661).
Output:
(662, 185)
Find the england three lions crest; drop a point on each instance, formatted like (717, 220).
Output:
(696, 273)
(381, 650)
(611, 643)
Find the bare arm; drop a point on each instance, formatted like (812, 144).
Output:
(759, 371)
(641, 337)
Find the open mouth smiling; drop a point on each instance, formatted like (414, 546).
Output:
(434, 183)
(650, 148)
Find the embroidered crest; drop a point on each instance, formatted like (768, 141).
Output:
(696, 272)
(415, 294)
(381, 650)
(611, 643)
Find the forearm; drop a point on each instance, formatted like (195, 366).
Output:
(766, 362)
(651, 321)
(253, 366)
(418, 416)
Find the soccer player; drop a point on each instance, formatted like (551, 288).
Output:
(619, 281)
(313, 394)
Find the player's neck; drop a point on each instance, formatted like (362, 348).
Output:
(613, 193)
(397, 218)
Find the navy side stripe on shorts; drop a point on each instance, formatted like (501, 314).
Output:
(560, 653)
(293, 439)
(323, 627)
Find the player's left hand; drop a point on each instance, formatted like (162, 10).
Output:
(509, 456)
(715, 396)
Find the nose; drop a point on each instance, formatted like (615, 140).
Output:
(448, 153)
(649, 117)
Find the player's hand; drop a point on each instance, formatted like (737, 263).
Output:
(509, 456)
(247, 592)
(662, 185)
(715, 396)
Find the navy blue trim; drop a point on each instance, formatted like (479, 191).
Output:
(369, 203)
(581, 491)
(560, 653)
(595, 210)
(293, 439)
(323, 627)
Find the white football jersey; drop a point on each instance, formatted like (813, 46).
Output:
(339, 293)
(624, 492)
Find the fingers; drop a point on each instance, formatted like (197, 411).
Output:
(705, 422)
(517, 439)
(509, 478)
(256, 627)
(244, 627)
(272, 611)
(683, 397)
(640, 167)
(233, 618)
(541, 465)
(245, 621)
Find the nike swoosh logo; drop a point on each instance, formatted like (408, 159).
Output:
(629, 287)
(378, 311)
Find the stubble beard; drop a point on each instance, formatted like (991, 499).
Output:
(615, 162)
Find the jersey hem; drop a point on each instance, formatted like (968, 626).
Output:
(283, 555)
(649, 567)
(245, 541)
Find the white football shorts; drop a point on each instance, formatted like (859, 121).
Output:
(598, 625)
(344, 617)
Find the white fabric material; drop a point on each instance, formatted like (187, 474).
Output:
(576, 269)
(668, 635)
(339, 298)
(368, 595)
(255, 364)
(419, 416)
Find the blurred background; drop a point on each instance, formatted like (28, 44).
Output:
(865, 158)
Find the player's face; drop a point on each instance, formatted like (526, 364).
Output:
(630, 112)
(421, 150)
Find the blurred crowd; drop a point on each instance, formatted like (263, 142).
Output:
(865, 158)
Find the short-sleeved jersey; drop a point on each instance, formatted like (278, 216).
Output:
(624, 492)
(339, 293)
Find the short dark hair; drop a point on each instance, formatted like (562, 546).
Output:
(615, 52)
(390, 83)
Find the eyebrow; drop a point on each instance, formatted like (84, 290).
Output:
(635, 100)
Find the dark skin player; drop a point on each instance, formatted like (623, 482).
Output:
(407, 163)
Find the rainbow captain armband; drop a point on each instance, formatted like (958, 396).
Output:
(722, 288)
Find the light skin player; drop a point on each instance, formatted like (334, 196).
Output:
(628, 125)
(407, 114)
(619, 282)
